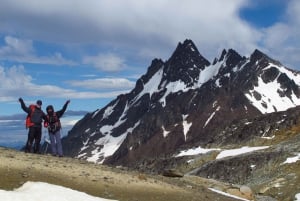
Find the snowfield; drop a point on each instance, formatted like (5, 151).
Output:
(37, 191)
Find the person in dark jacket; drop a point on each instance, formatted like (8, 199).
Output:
(36, 116)
(54, 126)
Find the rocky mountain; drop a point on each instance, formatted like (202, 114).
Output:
(235, 120)
(187, 102)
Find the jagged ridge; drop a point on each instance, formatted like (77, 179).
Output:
(183, 102)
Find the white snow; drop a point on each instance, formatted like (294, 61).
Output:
(95, 113)
(218, 83)
(109, 145)
(211, 116)
(268, 138)
(290, 74)
(265, 133)
(173, 87)
(227, 194)
(37, 191)
(292, 159)
(152, 85)
(109, 110)
(107, 129)
(208, 73)
(165, 132)
(297, 196)
(271, 101)
(222, 154)
(235, 152)
(195, 151)
(186, 126)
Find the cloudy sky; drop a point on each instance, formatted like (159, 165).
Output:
(90, 51)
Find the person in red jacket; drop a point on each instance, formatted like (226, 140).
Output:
(34, 123)
(54, 126)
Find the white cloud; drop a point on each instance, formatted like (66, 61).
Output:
(104, 83)
(281, 40)
(106, 62)
(16, 46)
(15, 82)
(148, 28)
(21, 50)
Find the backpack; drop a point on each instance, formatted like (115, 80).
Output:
(53, 123)
(28, 122)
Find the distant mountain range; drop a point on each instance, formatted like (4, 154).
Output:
(187, 102)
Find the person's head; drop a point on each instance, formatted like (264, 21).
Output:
(39, 103)
(50, 109)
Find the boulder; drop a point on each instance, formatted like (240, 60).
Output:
(172, 173)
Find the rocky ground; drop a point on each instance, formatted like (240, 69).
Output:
(17, 168)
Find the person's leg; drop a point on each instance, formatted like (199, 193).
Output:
(29, 140)
(53, 144)
(37, 139)
(58, 143)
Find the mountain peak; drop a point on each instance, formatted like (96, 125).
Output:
(187, 46)
(257, 55)
(183, 102)
(223, 54)
(185, 63)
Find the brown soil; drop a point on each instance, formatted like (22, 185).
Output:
(16, 168)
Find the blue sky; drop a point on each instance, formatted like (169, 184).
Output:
(91, 51)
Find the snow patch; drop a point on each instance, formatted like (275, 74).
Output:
(173, 87)
(186, 126)
(109, 110)
(152, 85)
(292, 159)
(208, 73)
(31, 191)
(297, 196)
(107, 129)
(109, 144)
(295, 77)
(270, 100)
(235, 152)
(268, 138)
(165, 132)
(227, 194)
(211, 116)
(95, 113)
(195, 151)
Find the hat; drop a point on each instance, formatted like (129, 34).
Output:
(49, 107)
(39, 102)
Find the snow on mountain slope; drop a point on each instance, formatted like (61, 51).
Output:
(180, 101)
(268, 98)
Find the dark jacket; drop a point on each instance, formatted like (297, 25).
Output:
(61, 112)
(58, 113)
(36, 117)
(53, 118)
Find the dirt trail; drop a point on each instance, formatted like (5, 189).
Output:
(17, 167)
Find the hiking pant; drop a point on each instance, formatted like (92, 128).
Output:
(34, 134)
(55, 141)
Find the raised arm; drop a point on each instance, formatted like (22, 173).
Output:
(62, 111)
(23, 106)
